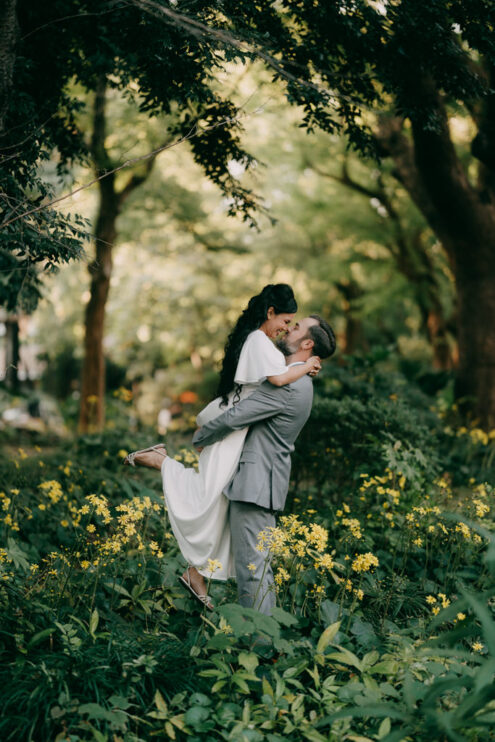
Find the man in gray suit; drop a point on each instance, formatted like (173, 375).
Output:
(275, 416)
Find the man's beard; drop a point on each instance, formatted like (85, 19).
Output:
(283, 345)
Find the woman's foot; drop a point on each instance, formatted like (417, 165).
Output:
(195, 582)
(151, 458)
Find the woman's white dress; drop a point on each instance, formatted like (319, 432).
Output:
(197, 507)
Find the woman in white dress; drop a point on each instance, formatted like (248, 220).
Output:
(196, 505)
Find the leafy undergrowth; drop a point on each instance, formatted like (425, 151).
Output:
(384, 628)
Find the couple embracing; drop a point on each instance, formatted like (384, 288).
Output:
(246, 436)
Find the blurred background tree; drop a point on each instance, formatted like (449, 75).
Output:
(395, 78)
(197, 267)
(402, 239)
(45, 50)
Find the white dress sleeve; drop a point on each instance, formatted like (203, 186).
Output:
(259, 358)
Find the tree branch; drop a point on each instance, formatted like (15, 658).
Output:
(138, 177)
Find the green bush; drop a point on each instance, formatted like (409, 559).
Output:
(384, 565)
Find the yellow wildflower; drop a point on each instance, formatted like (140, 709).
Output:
(364, 562)
(324, 562)
(354, 526)
(481, 508)
(213, 565)
(464, 530)
(281, 576)
(317, 536)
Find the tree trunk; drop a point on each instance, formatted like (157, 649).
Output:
(12, 354)
(436, 327)
(354, 338)
(475, 383)
(92, 407)
(413, 261)
(464, 221)
(8, 32)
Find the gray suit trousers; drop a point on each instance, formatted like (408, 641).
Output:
(255, 587)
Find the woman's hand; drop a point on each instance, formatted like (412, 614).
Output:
(198, 448)
(314, 365)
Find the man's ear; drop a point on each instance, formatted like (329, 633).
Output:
(307, 344)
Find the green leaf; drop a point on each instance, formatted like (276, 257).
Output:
(120, 702)
(397, 735)
(267, 688)
(384, 728)
(39, 637)
(160, 702)
(295, 670)
(199, 699)
(369, 660)
(93, 621)
(485, 617)
(327, 637)
(312, 734)
(359, 712)
(97, 735)
(220, 641)
(195, 716)
(117, 588)
(387, 667)
(483, 677)
(249, 661)
(283, 617)
(345, 657)
(218, 685)
(241, 683)
(16, 554)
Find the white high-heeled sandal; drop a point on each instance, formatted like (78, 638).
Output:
(159, 448)
(204, 599)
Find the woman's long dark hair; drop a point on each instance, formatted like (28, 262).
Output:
(279, 296)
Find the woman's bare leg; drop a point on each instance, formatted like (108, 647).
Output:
(151, 459)
(197, 580)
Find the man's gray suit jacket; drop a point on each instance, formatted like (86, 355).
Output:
(275, 416)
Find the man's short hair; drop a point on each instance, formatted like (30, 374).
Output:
(323, 337)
